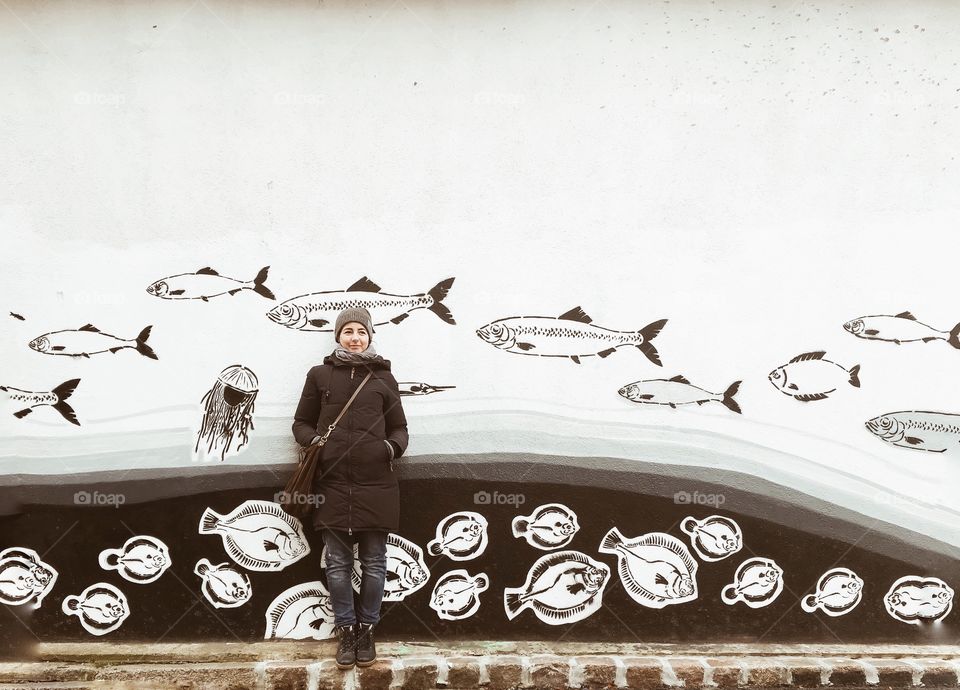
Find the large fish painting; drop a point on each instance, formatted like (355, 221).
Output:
(22, 402)
(24, 577)
(934, 432)
(562, 587)
(89, 340)
(757, 583)
(457, 594)
(318, 311)
(900, 328)
(811, 376)
(656, 569)
(914, 599)
(207, 283)
(142, 559)
(678, 391)
(101, 608)
(572, 335)
(838, 592)
(302, 612)
(258, 535)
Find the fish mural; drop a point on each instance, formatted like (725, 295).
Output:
(457, 594)
(302, 612)
(656, 569)
(757, 582)
(406, 570)
(678, 391)
(900, 328)
(23, 402)
(838, 592)
(318, 311)
(223, 584)
(572, 335)
(227, 413)
(914, 599)
(811, 376)
(142, 559)
(207, 283)
(101, 608)
(24, 577)
(89, 340)
(713, 538)
(258, 535)
(561, 587)
(550, 526)
(460, 536)
(414, 388)
(934, 432)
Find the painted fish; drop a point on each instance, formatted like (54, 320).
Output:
(258, 535)
(223, 585)
(406, 570)
(561, 587)
(18, 317)
(26, 401)
(934, 432)
(302, 612)
(812, 377)
(757, 582)
(913, 599)
(572, 334)
(101, 608)
(838, 592)
(678, 391)
(89, 340)
(142, 559)
(901, 328)
(656, 569)
(461, 536)
(207, 283)
(318, 311)
(550, 526)
(713, 538)
(24, 578)
(413, 388)
(457, 594)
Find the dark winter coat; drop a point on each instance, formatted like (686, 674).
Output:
(355, 472)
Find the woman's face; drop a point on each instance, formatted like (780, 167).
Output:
(354, 337)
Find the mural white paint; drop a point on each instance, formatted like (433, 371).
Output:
(550, 526)
(561, 587)
(838, 592)
(913, 599)
(757, 583)
(460, 536)
(713, 538)
(302, 612)
(24, 577)
(457, 594)
(223, 585)
(141, 560)
(258, 535)
(656, 569)
(101, 608)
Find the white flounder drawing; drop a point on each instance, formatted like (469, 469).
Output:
(561, 587)
(24, 577)
(838, 592)
(457, 594)
(101, 608)
(141, 560)
(460, 536)
(550, 526)
(258, 535)
(913, 599)
(656, 569)
(302, 612)
(223, 584)
(757, 582)
(714, 538)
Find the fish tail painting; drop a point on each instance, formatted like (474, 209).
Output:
(64, 391)
(258, 284)
(954, 337)
(728, 400)
(520, 527)
(855, 376)
(649, 332)
(55, 399)
(209, 522)
(611, 541)
(142, 346)
(513, 603)
(438, 294)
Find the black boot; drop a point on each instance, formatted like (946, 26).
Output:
(366, 649)
(346, 649)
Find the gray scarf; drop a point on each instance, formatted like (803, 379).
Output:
(365, 357)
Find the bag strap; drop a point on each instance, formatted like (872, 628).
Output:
(323, 439)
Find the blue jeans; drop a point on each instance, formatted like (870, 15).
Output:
(372, 548)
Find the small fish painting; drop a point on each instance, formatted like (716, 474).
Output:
(89, 340)
(22, 402)
(101, 608)
(562, 587)
(757, 582)
(302, 612)
(207, 283)
(838, 592)
(318, 311)
(407, 572)
(460, 536)
(934, 432)
(413, 388)
(258, 535)
(572, 334)
(678, 391)
(24, 577)
(550, 526)
(457, 594)
(811, 376)
(223, 584)
(900, 328)
(914, 599)
(18, 317)
(713, 538)
(142, 559)
(656, 569)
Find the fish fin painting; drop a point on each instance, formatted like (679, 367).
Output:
(408, 388)
(838, 592)
(900, 328)
(457, 594)
(656, 569)
(550, 526)
(101, 608)
(916, 600)
(714, 538)
(24, 578)
(460, 536)
(89, 340)
(24, 402)
(223, 585)
(933, 432)
(561, 587)
(811, 376)
(206, 283)
(141, 560)
(317, 311)
(301, 612)
(227, 413)
(678, 391)
(757, 583)
(571, 335)
(258, 535)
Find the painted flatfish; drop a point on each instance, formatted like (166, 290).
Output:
(258, 535)
(656, 569)
(562, 587)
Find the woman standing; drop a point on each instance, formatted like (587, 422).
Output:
(355, 478)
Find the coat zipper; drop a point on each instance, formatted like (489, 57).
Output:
(350, 469)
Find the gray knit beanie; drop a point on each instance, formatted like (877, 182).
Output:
(359, 315)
